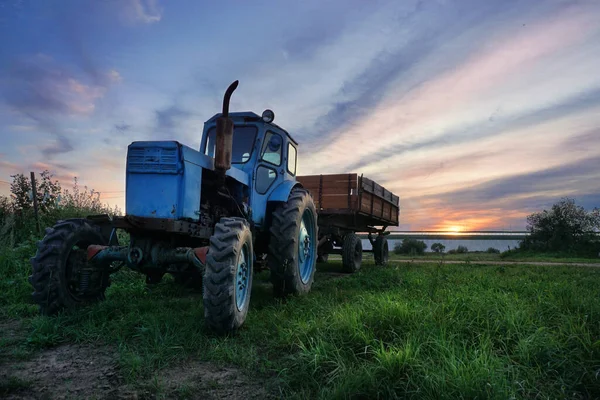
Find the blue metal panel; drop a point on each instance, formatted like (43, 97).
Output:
(282, 192)
(161, 181)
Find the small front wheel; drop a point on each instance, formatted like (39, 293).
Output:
(228, 276)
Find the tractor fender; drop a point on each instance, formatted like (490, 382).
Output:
(282, 192)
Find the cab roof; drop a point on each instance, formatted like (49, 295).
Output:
(249, 116)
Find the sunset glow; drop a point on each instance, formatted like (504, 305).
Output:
(475, 113)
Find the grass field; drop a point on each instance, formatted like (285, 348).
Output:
(402, 331)
(516, 256)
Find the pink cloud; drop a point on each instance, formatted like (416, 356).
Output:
(456, 96)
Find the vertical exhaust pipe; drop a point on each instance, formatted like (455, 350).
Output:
(224, 143)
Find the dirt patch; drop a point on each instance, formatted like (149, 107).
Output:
(84, 371)
(11, 330)
(196, 379)
(69, 371)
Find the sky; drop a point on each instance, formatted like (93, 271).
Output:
(475, 113)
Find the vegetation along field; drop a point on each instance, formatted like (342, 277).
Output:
(402, 331)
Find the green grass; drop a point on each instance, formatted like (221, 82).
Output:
(513, 256)
(403, 331)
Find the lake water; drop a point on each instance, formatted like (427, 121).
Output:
(470, 244)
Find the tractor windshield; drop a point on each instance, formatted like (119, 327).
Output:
(243, 143)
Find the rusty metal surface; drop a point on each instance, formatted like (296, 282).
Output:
(192, 229)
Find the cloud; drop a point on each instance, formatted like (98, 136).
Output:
(144, 11)
(39, 87)
(122, 128)
(169, 118)
(482, 129)
(45, 92)
(581, 177)
(421, 106)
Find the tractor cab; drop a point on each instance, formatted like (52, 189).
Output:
(261, 149)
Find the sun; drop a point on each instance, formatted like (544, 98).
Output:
(454, 229)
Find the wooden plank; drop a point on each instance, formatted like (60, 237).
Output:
(337, 185)
(332, 201)
(330, 191)
(312, 180)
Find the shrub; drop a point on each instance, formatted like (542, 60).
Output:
(492, 250)
(438, 248)
(410, 246)
(17, 220)
(462, 249)
(566, 228)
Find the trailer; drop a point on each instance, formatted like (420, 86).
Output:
(348, 204)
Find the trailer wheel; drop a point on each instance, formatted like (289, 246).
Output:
(228, 275)
(293, 245)
(351, 253)
(59, 276)
(381, 250)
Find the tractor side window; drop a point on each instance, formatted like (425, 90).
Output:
(271, 151)
(265, 177)
(291, 160)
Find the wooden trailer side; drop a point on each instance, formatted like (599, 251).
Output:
(354, 195)
(334, 193)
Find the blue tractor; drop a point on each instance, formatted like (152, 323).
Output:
(210, 218)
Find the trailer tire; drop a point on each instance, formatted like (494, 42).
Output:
(381, 250)
(228, 276)
(55, 262)
(351, 253)
(293, 267)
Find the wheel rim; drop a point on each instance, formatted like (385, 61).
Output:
(306, 245)
(242, 278)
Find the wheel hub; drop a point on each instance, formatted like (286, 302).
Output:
(242, 280)
(304, 243)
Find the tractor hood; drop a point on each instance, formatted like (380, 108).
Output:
(164, 179)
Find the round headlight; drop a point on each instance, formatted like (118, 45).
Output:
(268, 116)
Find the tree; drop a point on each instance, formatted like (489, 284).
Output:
(21, 189)
(410, 246)
(438, 247)
(565, 228)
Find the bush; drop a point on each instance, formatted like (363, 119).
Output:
(566, 229)
(17, 219)
(462, 249)
(410, 246)
(492, 250)
(438, 248)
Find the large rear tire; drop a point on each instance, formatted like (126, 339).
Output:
(381, 250)
(351, 253)
(293, 245)
(59, 277)
(228, 276)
